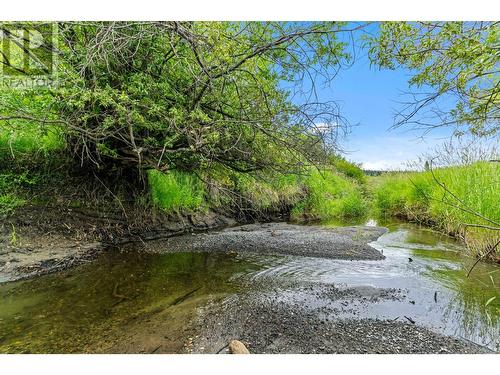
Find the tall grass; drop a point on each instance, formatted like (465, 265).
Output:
(417, 196)
(251, 195)
(331, 196)
(29, 139)
(349, 169)
(176, 191)
(270, 193)
(333, 193)
(19, 147)
(325, 194)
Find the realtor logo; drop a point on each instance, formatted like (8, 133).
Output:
(27, 54)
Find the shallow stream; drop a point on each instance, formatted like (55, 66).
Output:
(116, 303)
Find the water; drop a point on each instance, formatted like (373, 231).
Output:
(124, 299)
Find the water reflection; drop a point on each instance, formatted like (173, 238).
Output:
(69, 311)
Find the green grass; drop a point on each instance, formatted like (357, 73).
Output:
(349, 169)
(9, 202)
(29, 139)
(11, 185)
(176, 191)
(270, 192)
(331, 195)
(23, 151)
(416, 196)
(324, 195)
(335, 193)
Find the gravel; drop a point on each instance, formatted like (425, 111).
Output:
(274, 326)
(349, 243)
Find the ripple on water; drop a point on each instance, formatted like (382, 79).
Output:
(426, 265)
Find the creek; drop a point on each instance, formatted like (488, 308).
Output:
(128, 301)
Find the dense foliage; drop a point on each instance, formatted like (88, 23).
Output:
(184, 95)
(224, 114)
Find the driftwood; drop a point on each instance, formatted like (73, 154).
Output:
(409, 319)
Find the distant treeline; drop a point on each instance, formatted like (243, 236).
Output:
(371, 172)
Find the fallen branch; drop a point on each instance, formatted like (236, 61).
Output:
(184, 297)
(409, 319)
(120, 296)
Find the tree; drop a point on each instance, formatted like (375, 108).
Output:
(186, 95)
(454, 68)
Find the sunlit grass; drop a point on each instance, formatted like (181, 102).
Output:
(175, 190)
(418, 196)
(29, 138)
(331, 195)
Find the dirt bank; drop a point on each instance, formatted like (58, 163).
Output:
(38, 240)
(349, 243)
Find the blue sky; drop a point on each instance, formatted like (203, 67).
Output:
(368, 98)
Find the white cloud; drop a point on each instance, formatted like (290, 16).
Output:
(386, 153)
(323, 127)
(383, 165)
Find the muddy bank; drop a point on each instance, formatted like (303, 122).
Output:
(349, 243)
(302, 325)
(31, 256)
(39, 240)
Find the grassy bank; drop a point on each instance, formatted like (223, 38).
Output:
(19, 147)
(31, 173)
(334, 192)
(329, 193)
(418, 197)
